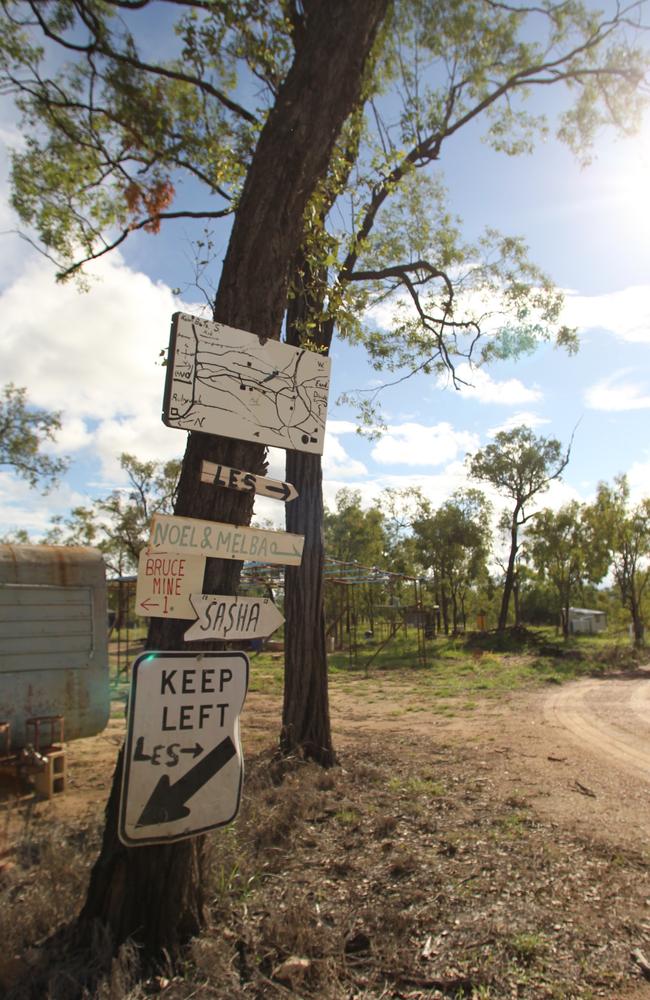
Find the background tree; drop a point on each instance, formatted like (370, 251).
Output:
(567, 547)
(519, 466)
(119, 524)
(23, 432)
(452, 544)
(400, 508)
(355, 534)
(625, 529)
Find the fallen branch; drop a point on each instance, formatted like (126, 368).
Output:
(579, 787)
(639, 959)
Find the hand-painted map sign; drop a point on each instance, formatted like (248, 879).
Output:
(232, 617)
(165, 582)
(221, 380)
(235, 479)
(183, 760)
(224, 541)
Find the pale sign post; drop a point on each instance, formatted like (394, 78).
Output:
(224, 541)
(183, 764)
(165, 582)
(232, 617)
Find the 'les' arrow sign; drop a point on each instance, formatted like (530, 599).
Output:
(237, 479)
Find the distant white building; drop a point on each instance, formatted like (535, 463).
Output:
(586, 620)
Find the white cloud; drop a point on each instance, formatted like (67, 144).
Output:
(94, 356)
(73, 436)
(336, 461)
(615, 393)
(418, 444)
(638, 477)
(24, 508)
(481, 386)
(144, 436)
(523, 418)
(625, 313)
(341, 427)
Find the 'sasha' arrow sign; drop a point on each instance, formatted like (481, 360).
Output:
(236, 479)
(183, 761)
(232, 617)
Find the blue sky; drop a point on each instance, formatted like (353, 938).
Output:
(95, 355)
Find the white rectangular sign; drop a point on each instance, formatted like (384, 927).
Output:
(165, 582)
(224, 541)
(221, 380)
(183, 763)
(222, 617)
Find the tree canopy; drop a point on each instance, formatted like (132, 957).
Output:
(24, 430)
(567, 547)
(520, 466)
(625, 529)
(119, 523)
(120, 141)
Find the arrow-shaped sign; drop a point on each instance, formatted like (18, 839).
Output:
(167, 801)
(237, 479)
(191, 536)
(221, 617)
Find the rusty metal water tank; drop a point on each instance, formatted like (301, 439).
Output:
(53, 638)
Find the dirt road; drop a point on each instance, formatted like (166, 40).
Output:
(580, 753)
(608, 718)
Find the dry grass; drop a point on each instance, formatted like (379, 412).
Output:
(404, 877)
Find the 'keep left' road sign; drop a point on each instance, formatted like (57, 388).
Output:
(183, 764)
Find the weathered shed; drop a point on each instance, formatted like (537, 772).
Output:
(587, 620)
(53, 639)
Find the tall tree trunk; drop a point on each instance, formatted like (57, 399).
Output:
(153, 894)
(516, 595)
(444, 607)
(305, 715)
(510, 574)
(637, 621)
(565, 616)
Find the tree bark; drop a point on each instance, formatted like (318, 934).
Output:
(305, 715)
(510, 574)
(153, 894)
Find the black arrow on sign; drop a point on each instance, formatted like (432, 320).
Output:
(167, 801)
(283, 490)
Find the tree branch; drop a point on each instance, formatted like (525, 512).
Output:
(135, 63)
(151, 220)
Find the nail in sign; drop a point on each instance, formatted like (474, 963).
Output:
(232, 617)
